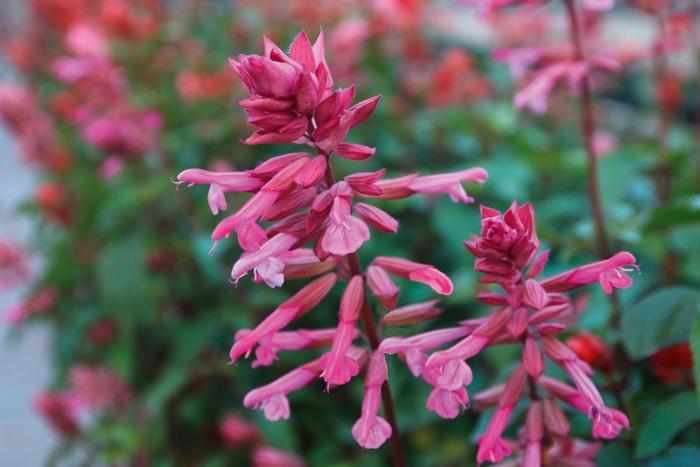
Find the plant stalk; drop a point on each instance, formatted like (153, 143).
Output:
(587, 128)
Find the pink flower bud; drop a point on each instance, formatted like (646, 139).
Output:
(416, 272)
(514, 387)
(518, 323)
(557, 424)
(353, 299)
(377, 218)
(272, 167)
(533, 360)
(302, 263)
(557, 305)
(306, 92)
(284, 179)
(312, 173)
(533, 433)
(412, 314)
(365, 182)
(289, 204)
(549, 328)
(449, 183)
(383, 288)
(538, 265)
(534, 295)
(356, 152)
(488, 398)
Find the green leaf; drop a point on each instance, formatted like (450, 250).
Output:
(665, 422)
(662, 318)
(615, 455)
(687, 211)
(678, 456)
(122, 277)
(695, 346)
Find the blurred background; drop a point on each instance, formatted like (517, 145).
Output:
(117, 323)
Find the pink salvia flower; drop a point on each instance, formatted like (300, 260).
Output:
(610, 273)
(272, 398)
(371, 431)
(303, 301)
(345, 234)
(534, 430)
(414, 347)
(265, 261)
(449, 183)
(337, 367)
(451, 361)
(491, 446)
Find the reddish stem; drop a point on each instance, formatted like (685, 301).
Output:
(587, 127)
(374, 341)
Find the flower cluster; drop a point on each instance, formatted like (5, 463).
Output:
(292, 101)
(97, 98)
(526, 312)
(238, 433)
(92, 389)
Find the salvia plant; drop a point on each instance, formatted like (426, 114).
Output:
(527, 366)
(292, 101)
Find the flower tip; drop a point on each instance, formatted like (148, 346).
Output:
(211, 252)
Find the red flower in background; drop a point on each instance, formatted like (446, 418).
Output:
(592, 350)
(674, 365)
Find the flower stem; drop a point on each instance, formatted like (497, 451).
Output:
(662, 172)
(374, 341)
(587, 127)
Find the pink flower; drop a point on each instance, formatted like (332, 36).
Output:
(303, 301)
(510, 237)
(59, 410)
(292, 98)
(610, 273)
(14, 265)
(371, 431)
(449, 183)
(272, 398)
(111, 167)
(450, 363)
(345, 233)
(337, 366)
(264, 262)
(238, 432)
(98, 388)
(491, 446)
(265, 456)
